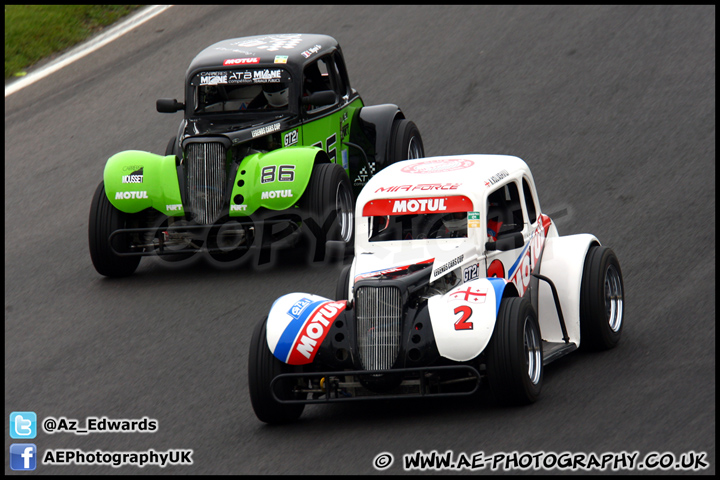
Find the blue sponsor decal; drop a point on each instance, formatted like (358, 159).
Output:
(298, 307)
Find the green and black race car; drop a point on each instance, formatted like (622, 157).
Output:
(274, 141)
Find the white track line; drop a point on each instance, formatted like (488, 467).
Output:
(88, 47)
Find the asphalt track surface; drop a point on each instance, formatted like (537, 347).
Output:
(613, 108)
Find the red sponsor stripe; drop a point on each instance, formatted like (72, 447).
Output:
(241, 61)
(545, 222)
(314, 332)
(404, 206)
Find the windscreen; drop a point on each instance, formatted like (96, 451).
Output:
(251, 90)
(417, 218)
(418, 227)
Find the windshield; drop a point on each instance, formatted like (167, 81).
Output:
(253, 90)
(387, 228)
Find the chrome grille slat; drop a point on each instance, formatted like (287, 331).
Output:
(206, 180)
(379, 326)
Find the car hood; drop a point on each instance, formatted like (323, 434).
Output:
(237, 129)
(389, 261)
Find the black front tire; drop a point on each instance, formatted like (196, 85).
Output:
(170, 149)
(105, 219)
(514, 355)
(341, 291)
(602, 300)
(262, 368)
(329, 195)
(406, 141)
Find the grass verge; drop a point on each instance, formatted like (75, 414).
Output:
(35, 32)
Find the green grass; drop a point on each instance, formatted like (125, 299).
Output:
(35, 32)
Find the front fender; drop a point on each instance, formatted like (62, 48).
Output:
(297, 325)
(274, 180)
(136, 180)
(463, 319)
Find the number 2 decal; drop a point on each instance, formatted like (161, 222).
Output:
(463, 323)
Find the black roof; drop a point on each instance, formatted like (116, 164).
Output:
(299, 48)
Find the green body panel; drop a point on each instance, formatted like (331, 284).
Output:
(135, 180)
(274, 180)
(329, 133)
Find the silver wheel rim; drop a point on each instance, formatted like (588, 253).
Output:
(532, 351)
(613, 298)
(343, 206)
(414, 150)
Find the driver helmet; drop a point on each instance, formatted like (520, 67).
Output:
(276, 94)
(494, 222)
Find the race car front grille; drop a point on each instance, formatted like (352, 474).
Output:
(206, 180)
(379, 326)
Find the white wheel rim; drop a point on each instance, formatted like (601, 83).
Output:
(343, 206)
(613, 298)
(413, 149)
(532, 351)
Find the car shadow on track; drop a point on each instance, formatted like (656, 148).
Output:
(202, 264)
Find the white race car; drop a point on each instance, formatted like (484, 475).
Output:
(457, 278)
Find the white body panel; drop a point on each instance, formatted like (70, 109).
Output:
(562, 262)
(463, 319)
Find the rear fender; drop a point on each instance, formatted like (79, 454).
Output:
(136, 180)
(376, 121)
(372, 131)
(563, 260)
(463, 319)
(274, 180)
(297, 325)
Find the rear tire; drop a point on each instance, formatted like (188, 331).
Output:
(602, 300)
(105, 219)
(406, 141)
(514, 355)
(329, 194)
(262, 368)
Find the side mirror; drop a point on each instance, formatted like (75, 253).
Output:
(507, 242)
(168, 105)
(318, 99)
